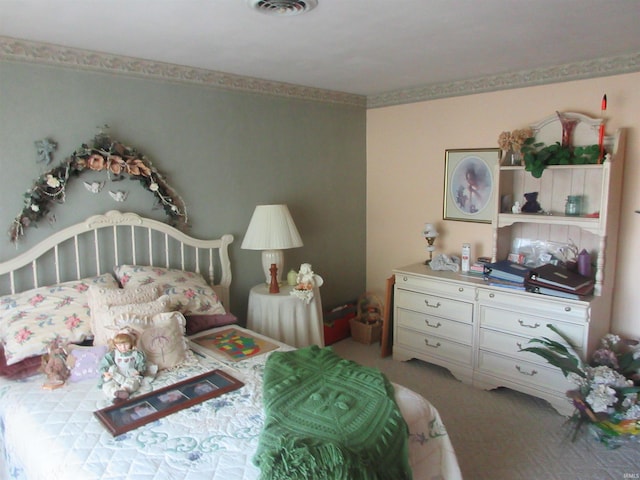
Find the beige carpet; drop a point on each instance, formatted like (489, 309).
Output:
(502, 434)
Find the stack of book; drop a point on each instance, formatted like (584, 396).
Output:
(557, 281)
(505, 273)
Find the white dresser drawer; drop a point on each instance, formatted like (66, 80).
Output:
(435, 346)
(529, 326)
(424, 284)
(544, 305)
(442, 327)
(434, 305)
(520, 371)
(509, 345)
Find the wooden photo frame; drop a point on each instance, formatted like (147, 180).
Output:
(469, 184)
(137, 411)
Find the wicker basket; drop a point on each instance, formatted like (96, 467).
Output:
(366, 327)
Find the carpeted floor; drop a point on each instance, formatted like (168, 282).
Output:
(502, 434)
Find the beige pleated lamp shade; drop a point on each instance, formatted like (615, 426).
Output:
(271, 230)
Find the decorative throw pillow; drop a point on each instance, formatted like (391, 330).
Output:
(84, 362)
(31, 320)
(104, 323)
(189, 291)
(101, 298)
(198, 323)
(160, 337)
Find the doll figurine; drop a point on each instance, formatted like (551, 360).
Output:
(122, 367)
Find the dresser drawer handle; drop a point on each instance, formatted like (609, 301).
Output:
(529, 374)
(437, 305)
(491, 295)
(567, 309)
(437, 325)
(461, 289)
(426, 342)
(519, 345)
(522, 324)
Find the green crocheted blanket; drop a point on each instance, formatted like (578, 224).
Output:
(329, 418)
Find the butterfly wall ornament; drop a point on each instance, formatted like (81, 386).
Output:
(94, 187)
(119, 195)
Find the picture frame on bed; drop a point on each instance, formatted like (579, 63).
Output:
(122, 417)
(469, 186)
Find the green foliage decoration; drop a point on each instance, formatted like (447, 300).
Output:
(537, 156)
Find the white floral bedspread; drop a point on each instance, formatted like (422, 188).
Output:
(53, 435)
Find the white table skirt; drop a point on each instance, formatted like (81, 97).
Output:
(286, 317)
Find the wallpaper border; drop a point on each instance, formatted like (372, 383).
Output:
(34, 52)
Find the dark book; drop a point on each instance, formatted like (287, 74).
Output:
(535, 287)
(506, 270)
(555, 276)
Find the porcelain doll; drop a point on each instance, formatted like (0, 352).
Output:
(122, 367)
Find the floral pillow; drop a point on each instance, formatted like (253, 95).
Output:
(31, 320)
(84, 361)
(104, 319)
(160, 337)
(189, 291)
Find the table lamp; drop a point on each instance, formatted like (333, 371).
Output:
(430, 234)
(271, 230)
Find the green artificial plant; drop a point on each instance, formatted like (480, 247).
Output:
(537, 156)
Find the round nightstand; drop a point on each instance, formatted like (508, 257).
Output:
(285, 317)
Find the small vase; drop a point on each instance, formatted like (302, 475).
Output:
(511, 158)
(568, 126)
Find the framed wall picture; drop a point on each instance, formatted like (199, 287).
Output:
(469, 185)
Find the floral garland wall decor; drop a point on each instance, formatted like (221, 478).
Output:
(102, 155)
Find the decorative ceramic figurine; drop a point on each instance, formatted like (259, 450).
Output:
(516, 208)
(54, 365)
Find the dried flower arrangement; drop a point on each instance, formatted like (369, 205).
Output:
(103, 154)
(515, 139)
(606, 397)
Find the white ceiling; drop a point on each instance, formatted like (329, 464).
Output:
(364, 47)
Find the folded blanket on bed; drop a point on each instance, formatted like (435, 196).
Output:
(329, 418)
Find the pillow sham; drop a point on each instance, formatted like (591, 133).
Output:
(198, 323)
(189, 291)
(104, 319)
(31, 320)
(23, 369)
(160, 337)
(84, 362)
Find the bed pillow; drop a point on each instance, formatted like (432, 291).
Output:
(160, 337)
(189, 291)
(198, 323)
(104, 319)
(23, 369)
(31, 320)
(84, 362)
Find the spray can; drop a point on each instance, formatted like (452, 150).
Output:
(466, 256)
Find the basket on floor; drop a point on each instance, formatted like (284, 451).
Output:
(366, 327)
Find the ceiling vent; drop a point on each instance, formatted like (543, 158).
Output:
(282, 8)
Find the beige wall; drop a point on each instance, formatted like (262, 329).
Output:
(405, 171)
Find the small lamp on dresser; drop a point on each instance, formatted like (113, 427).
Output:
(430, 234)
(271, 230)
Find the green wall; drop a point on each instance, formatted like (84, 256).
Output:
(223, 151)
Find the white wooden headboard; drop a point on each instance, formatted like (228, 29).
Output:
(96, 245)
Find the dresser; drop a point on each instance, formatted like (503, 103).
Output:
(474, 330)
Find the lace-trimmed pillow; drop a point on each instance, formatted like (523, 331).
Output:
(189, 291)
(30, 320)
(105, 325)
(160, 337)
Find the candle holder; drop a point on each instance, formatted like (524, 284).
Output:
(430, 234)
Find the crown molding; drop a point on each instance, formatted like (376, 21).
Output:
(44, 53)
(601, 67)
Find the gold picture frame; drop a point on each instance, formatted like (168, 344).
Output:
(469, 184)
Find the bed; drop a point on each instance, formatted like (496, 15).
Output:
(54, 433)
